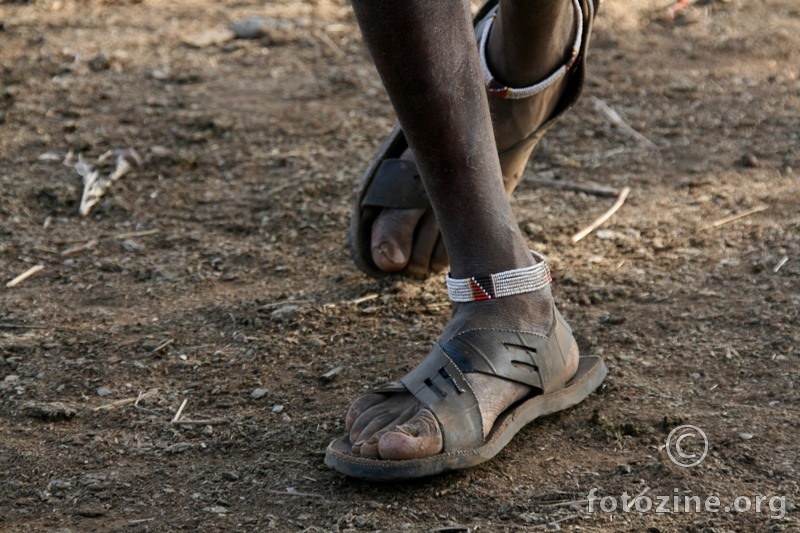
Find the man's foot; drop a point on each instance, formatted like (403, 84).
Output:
(397, 426)
(408, 239)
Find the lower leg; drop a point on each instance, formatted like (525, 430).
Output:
(527, 42)
(425, 54)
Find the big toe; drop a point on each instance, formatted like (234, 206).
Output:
(393, 238)
(419, 437)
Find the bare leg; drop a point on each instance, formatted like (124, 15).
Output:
(528, 41)
(426, 55)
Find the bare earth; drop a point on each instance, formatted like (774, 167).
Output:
(217, 273)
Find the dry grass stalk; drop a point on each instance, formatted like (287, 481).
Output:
(126, 401)
(732, 218)
(25, 275)
(134, 234)
(623, 194)
(616, 120)
(588, 188)
(180, 411)
(209, 422)
(79, 248)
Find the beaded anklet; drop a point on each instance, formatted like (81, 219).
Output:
(495, 88)
(508, 283)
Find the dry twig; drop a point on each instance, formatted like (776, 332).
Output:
(162, 346)
(616, 120)
(79, 248)
(25, 275)
(209, 422)
(633, 501)
(330, 374)
(727, 220)
(134, 234)
(127, 401)
(604, 217)
(325, 38)
(780, 264)
(363, 299)
(588, 188)
(180, 411)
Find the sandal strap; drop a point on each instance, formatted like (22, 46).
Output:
(508, 283)
(398, 185)
(438, 381)
(495, 88)
(439, 384)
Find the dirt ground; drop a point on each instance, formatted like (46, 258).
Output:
(216, 273)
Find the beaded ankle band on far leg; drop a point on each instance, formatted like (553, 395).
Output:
(508, 283)
(495, 88)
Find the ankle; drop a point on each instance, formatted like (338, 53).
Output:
(531, 312)
(517, 300)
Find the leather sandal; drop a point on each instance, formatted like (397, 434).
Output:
(438, 383)
(390, 182)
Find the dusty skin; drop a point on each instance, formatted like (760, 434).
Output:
(220, 274)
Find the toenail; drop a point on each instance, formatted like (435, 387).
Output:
(392, 253)
(359, 443)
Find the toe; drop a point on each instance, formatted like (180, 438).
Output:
(359, 406)
(398, 408)
(368, 445)
(417, 438)
(393, 238)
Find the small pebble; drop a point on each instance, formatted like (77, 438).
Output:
(103, 391)
(230, 476)
(750, 161)
(99, 62)
(745, 436)
(284, 312)
(258, 393)
(277, 408)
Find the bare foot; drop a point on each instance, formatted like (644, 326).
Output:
(397, 426)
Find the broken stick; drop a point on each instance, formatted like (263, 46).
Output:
(25, 275)
(604, 217)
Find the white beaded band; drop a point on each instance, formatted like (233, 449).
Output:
(501, 91)
(508, 283)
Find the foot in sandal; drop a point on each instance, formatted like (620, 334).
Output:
(506, 358)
